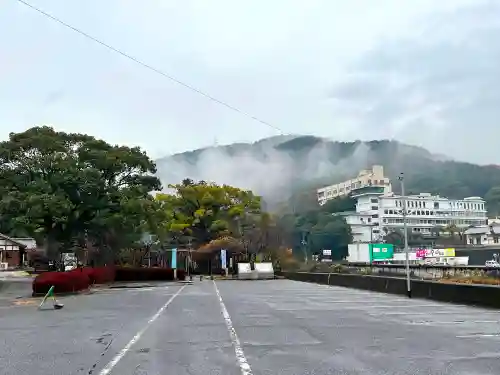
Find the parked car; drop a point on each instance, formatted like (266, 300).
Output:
(492, 264)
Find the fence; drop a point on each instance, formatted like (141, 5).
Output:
(417, 271)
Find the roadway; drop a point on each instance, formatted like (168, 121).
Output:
(248, 327)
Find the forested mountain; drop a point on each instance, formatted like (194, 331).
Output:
(286, 166)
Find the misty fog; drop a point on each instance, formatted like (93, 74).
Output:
(263, 168)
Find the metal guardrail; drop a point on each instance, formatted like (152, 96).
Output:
(417, 266)
(417, 271)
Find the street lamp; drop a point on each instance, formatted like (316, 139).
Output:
(405, 229)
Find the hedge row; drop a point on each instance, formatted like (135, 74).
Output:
(82, 278)
(148, 274)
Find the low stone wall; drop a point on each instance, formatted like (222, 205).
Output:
(479, 295)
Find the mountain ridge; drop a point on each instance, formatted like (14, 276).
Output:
(281, 166)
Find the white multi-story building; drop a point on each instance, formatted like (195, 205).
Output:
(367, 177)
(378, 213)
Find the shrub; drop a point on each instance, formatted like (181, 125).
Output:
(102, 275)
(472, 280)
(64, 282)
(290, 264)
(144, 274)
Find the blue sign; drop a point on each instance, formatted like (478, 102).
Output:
(223, 258)
(174, 258)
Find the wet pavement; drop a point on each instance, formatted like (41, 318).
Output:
(248, 327)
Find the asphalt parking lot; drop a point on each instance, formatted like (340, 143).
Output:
(248, 327)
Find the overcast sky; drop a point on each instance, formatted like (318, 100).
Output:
(424, 72)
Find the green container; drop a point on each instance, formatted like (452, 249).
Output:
(381, 251)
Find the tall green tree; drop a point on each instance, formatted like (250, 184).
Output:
(205, 211)
(320, 229)
(65, 187)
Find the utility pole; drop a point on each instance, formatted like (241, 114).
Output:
(405, 229)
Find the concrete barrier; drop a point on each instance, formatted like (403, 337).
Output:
(244, 271)
(469, 294)
(264, 270)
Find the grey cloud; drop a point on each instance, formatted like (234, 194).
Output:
(294, 64)
(449, 95)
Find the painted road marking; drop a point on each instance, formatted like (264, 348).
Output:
(117, 358)
(238, 350)
(438, 322)
(478, 335)
(25, 302)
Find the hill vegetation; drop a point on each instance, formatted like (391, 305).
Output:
(286, 171)
(75, 193)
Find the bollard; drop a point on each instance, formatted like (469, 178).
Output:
(201, 277)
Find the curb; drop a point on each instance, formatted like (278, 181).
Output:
(64, 294)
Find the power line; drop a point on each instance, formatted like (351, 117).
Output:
(147, 66)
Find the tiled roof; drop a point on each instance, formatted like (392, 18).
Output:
(13, 240)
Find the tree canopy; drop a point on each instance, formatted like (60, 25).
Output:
(311, 232)
(201, 212)
(66, 188)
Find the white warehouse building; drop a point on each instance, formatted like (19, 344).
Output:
(378, 212)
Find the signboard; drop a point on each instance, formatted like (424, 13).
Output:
(434, 253)
(401, 257)
(327, 252)
(174, 258)
(381, 251)
(223, 258)
(421, 253)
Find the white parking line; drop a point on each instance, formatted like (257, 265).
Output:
(478, 335)
(107, 369)
(238, 350)
(439, 322)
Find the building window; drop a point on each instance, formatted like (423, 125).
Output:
(386, 212)
(436, 205)
(495, 240)
(375, 216)
(374, 207)
(374, 200)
